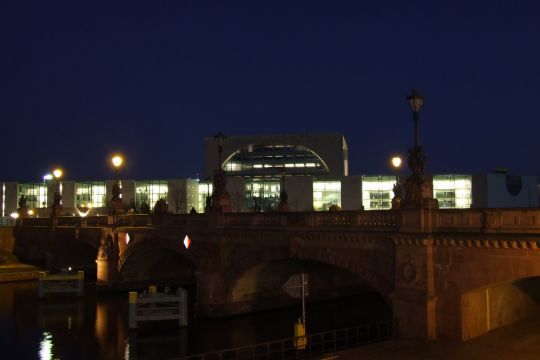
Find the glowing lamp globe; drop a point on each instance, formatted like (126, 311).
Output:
(117, 161)
(58, 173)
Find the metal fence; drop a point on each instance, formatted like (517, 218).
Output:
(317, 344)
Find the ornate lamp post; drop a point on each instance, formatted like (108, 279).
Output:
(396, 163)
(221, 201)
(419, 190)
(57, 197)
(117, 206)
(415, 101)
(220, 138)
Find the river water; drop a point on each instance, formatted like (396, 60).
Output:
(96, 326)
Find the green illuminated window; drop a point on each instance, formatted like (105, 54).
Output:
(149, 192)
(452, 191)
(326, 194)
(377, 192)
(35, 194)
(91, 193)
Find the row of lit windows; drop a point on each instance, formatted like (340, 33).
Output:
(234, 166)
(452, 191)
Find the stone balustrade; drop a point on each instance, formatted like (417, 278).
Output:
(445, 220)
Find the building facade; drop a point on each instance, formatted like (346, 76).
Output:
(313, 168)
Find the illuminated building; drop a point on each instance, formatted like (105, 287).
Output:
(314, 168)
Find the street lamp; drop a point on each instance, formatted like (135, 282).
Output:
(220, 137)
(57, 198)
(396, 200)
(415, 101)
(116, 202)
(117, 161)
(396, 163)
(58, 173)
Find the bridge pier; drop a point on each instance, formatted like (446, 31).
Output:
(107, 260)
(414, 299)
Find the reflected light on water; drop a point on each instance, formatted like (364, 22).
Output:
(45, 347)
(126, 351)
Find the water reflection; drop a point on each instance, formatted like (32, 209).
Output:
(96, 326)
(45, 347)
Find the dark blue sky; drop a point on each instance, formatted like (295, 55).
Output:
(80, 80)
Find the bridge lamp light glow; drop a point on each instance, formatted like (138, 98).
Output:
(47, 177)
(117, 161)
(58, 173)
(187, 242)
(14, 215)
(396, 162)
(31, 212)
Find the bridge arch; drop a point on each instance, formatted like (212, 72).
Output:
(147, 260)
(485, 286)
(254, 274)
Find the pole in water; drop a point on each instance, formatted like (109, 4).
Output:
(303, 300)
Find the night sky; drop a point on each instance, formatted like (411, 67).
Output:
(80, 80)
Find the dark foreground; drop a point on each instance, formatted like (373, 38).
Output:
(520, 341)
(96, 326)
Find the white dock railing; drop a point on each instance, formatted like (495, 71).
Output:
(155, 306)
(60, 283)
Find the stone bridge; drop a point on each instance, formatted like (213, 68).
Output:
(445, 273)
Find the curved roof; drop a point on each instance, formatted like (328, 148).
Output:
(274, 159)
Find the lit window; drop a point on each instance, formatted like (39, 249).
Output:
(149, 192)
(377, 192)
(35, 194)
(452, 191)
(326, 194)
(91, 193)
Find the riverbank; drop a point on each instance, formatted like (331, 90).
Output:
(18, 272)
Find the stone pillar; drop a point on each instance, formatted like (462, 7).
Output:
(414, 300)
(107, 260)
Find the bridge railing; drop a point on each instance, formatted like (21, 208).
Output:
(365, 219)
(317, 344)
(444, 220)
(489, 220)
